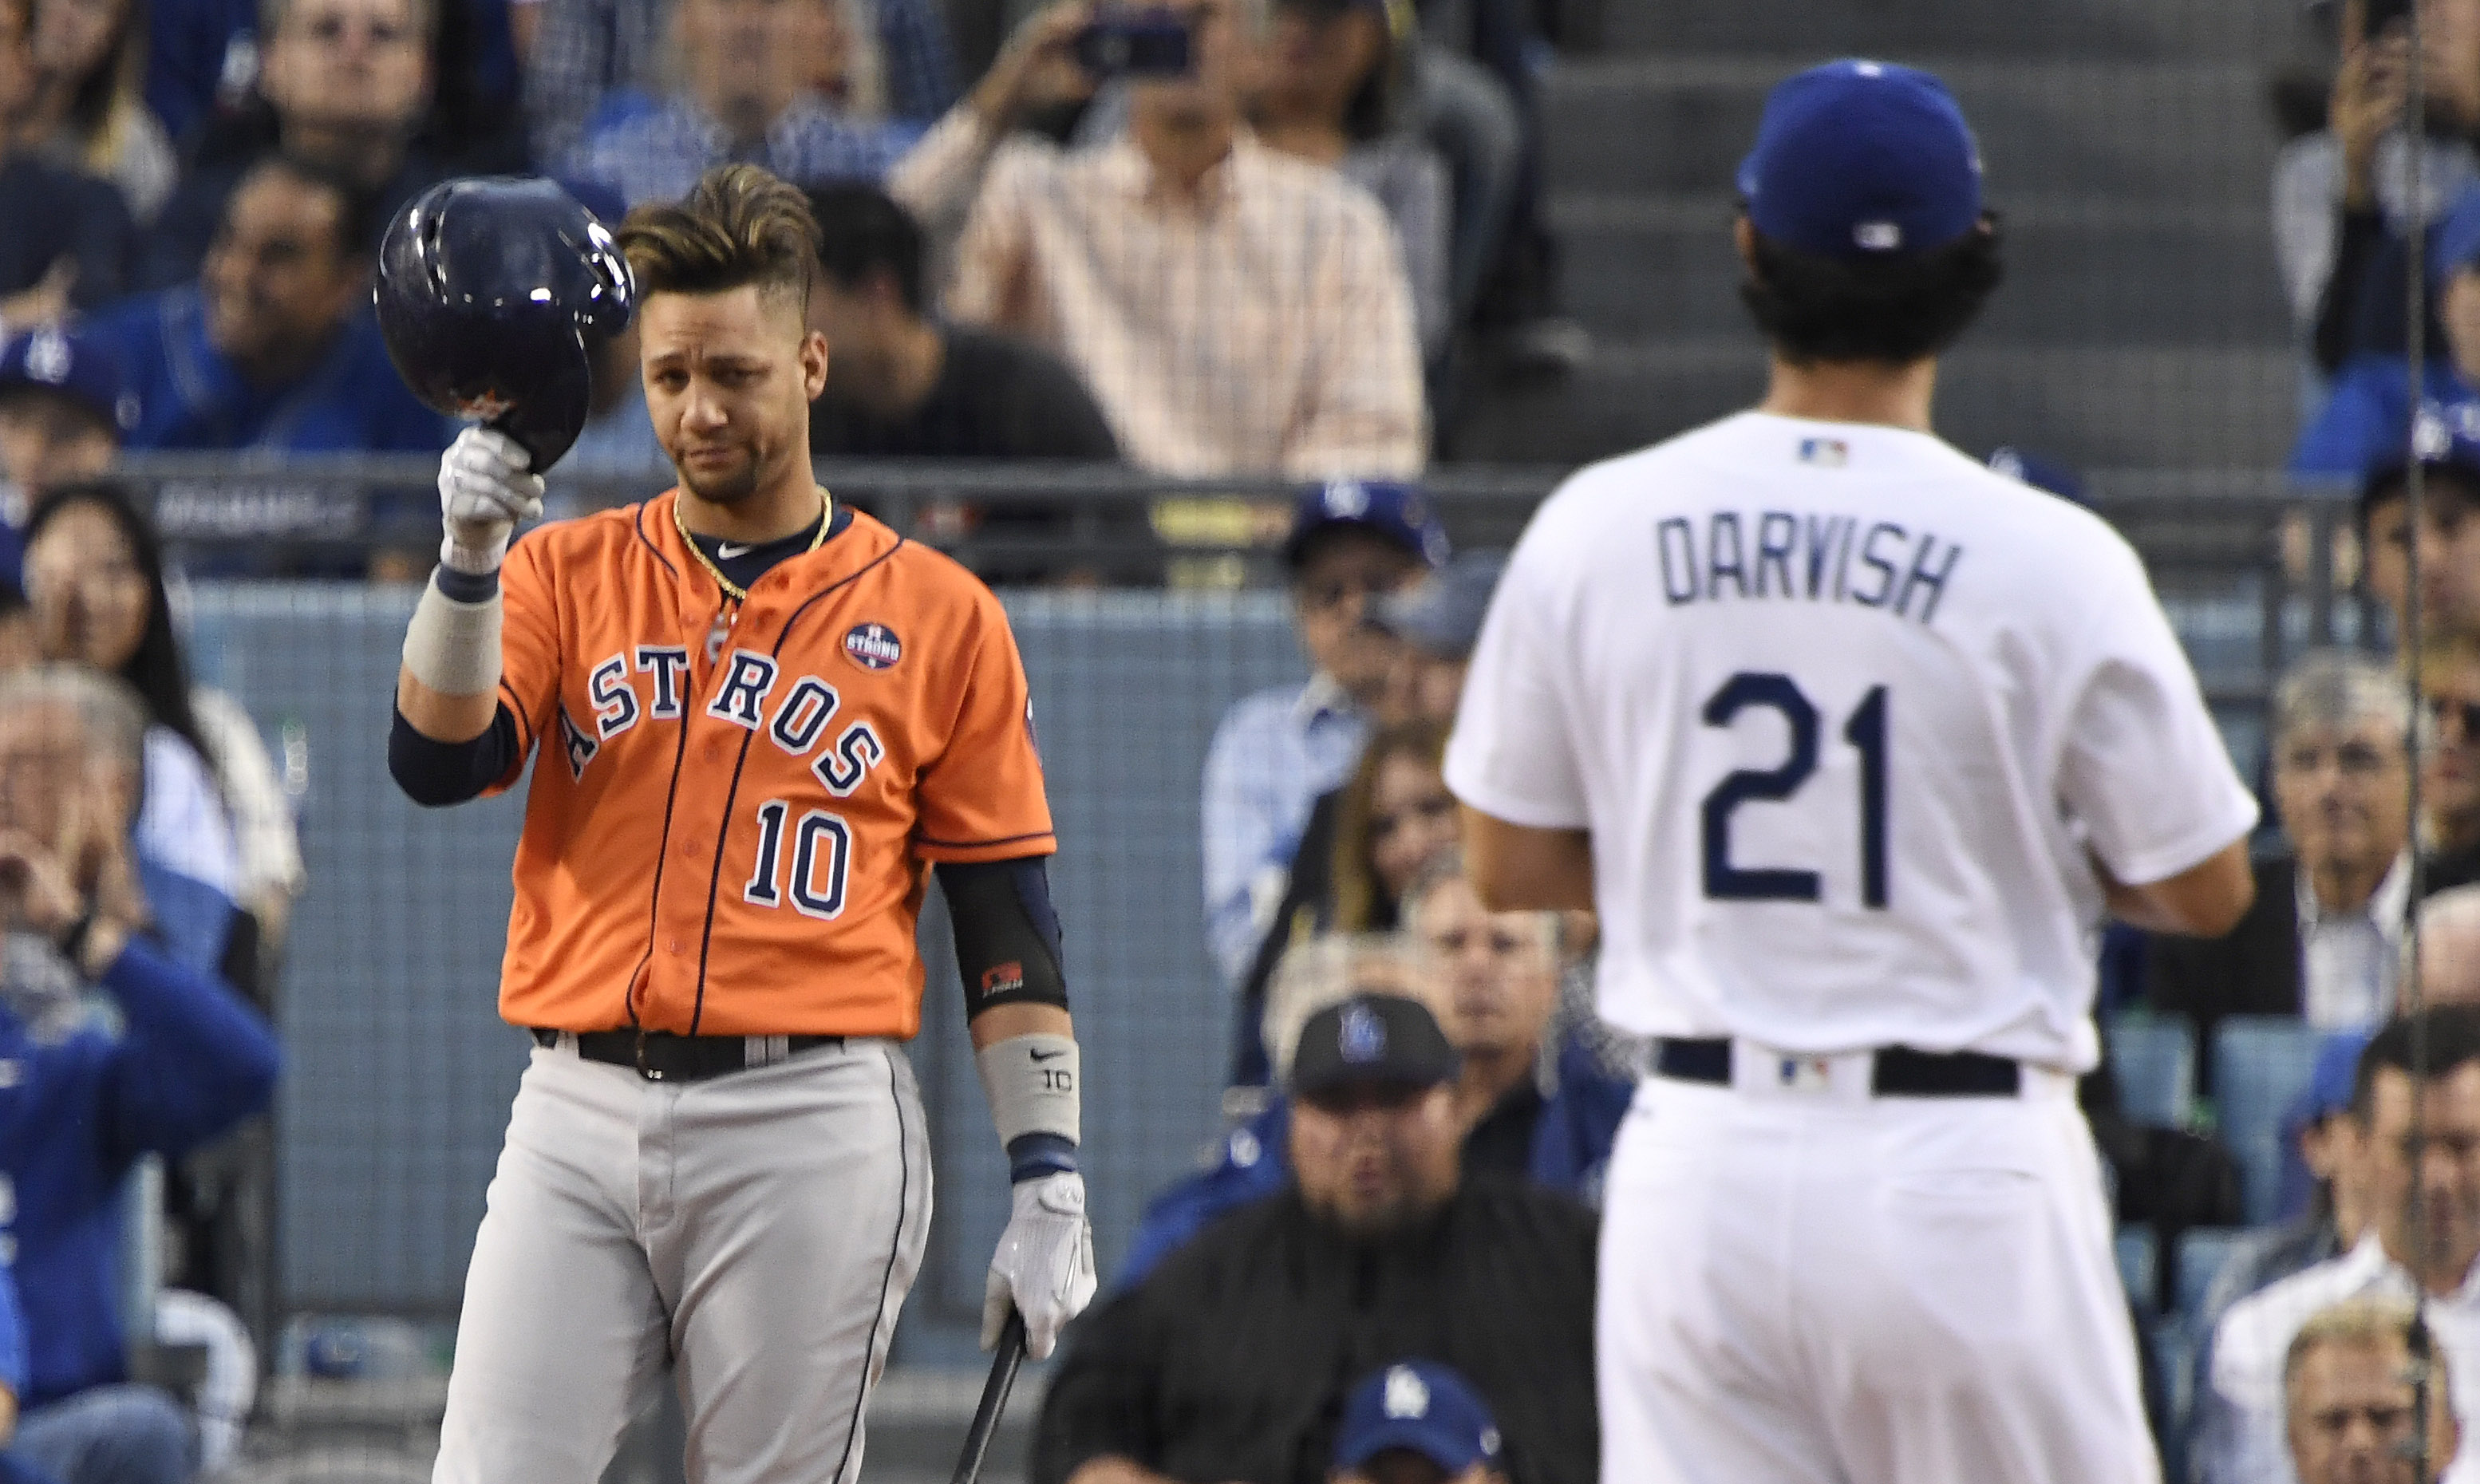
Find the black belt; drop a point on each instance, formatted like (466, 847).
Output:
(1896, 1071)
(660, 1056)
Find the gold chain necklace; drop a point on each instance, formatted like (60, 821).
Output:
(733, 590)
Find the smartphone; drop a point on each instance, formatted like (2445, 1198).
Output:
(1150, 42)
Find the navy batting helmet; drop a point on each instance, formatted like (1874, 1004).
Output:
(492, 292)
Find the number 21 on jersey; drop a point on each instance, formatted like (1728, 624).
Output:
(1865, 731)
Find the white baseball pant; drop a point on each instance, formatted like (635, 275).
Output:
(1803, 1284)
(758, 1229)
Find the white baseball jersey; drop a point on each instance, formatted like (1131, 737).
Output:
(1844, 711)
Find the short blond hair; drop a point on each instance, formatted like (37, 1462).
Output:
(2360, 1322)
(738, 225)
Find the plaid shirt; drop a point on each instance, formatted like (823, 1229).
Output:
(1261, 323)
(588, 48)
(658, 156)
(1274, 753)
(2240, 1436)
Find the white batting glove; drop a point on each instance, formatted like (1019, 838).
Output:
(485, 490)
(1045, 1263)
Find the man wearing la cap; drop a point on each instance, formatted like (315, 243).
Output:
(2449, 461)
(64, 406)
(1416, 1423)
(1849, 740)
(1276, 751)
(1230, 1362)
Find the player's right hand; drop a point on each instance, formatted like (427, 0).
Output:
(485, 490)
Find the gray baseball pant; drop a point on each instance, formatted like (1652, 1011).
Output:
(759, 1231)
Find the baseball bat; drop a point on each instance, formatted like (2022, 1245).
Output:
(995, 1399)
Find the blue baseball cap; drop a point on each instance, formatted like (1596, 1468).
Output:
(1423, 1406)
(2439, 438)
(69, 363)
(1395, 511)
(1856, 158)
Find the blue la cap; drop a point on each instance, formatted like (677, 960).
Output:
(2041, 472)
(1856, 158)
(1397, 512)
(2440, 436)
(76, 365)
(1423, 1406)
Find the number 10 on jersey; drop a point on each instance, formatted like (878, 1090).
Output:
(1866, 731)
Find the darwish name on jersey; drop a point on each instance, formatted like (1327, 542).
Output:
(796, 722)
(1817, 559)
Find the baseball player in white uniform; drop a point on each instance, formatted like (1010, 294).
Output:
(1849, 741)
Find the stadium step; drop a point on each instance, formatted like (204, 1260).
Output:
(2103, 408)
(2184, 134)
(2080, 270)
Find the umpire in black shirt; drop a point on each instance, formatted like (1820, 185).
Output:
(1233, 1360)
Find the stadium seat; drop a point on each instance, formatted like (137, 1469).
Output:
(2202, 1252)
(2260, 1066)
(2154, 1058)
(2139, 1268)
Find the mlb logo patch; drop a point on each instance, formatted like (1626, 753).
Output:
(1803, 1074)
(873, 646)
(1824, 452)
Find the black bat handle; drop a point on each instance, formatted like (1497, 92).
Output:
(994, 1398)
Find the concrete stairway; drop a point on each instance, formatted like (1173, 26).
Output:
(2129, 147)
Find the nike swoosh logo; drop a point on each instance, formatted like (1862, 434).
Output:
(1047, 1056)
(728, 552)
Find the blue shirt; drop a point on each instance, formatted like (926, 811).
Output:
(191, 398)
(2368, 415)
(77, 1111)
(1275, 755)
(659, 154)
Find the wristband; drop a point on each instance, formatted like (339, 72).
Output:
(452, 646)
(1031, 1084)
(1032, 1156)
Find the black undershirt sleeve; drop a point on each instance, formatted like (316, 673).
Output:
(2359, 237)
(433, 773)
(1007, 936)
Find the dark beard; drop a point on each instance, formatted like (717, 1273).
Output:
(731, 491)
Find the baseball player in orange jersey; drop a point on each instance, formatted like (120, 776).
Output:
(758, 720)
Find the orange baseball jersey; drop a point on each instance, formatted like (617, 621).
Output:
(733, 813)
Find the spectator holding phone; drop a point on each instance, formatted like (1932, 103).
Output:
(2340, 205)
(1235, 309)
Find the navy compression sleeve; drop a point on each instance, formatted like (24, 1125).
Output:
(433, 773)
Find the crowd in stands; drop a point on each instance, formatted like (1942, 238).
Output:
(1285, 253)
(147, 869)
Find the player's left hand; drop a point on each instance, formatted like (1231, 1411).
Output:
(1045, 1263)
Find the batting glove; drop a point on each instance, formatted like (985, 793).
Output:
(1045, 1263)
(485, 490)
